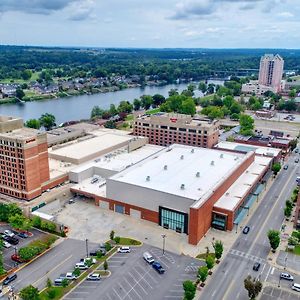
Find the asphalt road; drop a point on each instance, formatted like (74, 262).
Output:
(227, 281)
(134, 279)
(60, 259)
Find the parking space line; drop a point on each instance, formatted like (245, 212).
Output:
(117, 293)
(143, 278)
(152, 277)
(138, 282)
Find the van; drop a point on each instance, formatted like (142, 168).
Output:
(296, 287)
(148, 258)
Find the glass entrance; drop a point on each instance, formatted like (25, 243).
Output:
(175, 220)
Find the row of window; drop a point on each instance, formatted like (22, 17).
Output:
(12, 193)
(171, 128)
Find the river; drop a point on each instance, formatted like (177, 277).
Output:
(79, 107)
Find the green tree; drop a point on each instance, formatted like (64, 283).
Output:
(125, 107)
(274, 238)
(33, 123)
(112, 110)
(210, 261)
(105, 265)
(51, 293)
(203, 273)
(247, 124)
(276, 168)
(17, 221)
(117, 239)
(213, 112)
(29, 293)
(2, 270)
(158, 99)
(188, 107)
(146, 101)
(47, 120)
(136, 104)
(20, 93)
(292, 93)
(27, 253)
(26, 74)
(107, 246)
(189, 290)
(65, 282)
(253, 287)
(36, 222)
(218, 246)
(49, 283)
(202, 87)
(96, 112)
(76, 272)
(112, 235)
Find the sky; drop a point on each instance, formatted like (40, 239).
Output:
(151, 23)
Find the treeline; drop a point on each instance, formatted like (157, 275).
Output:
(163, 64)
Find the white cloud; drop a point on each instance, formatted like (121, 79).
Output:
(286, 14)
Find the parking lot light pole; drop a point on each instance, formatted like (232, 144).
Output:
(285, 260)
(279, 282)
(87, 247)
(164, 241)
(15, 250)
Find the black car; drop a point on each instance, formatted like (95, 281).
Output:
(285, 167)
(256, 266)
(9, 279)
(23, 235)
(246, 229)
(11, 240)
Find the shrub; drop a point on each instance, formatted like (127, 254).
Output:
(76, 272)
(117, 239)
(51, 293)
(49, 283)
(36, 222)
(65, 282)
(112, 235)
(107, 246)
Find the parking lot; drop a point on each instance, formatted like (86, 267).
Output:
(273, 293)
(133, 278)
(7, 252)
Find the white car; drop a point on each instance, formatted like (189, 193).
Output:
(93, 276)
(6, 244)
(70, 276)
(9, 233)
(88, 259)
(81, 266)
(124, 249)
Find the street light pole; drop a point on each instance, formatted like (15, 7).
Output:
(279, 282)
(87, 247)
(285, 260)
(164, 241)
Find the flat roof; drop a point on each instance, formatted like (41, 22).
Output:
(21, 133)
(120, 159)
(190, 172)
(242, 186)
(81, 149)
(86, 186)
(267, 151)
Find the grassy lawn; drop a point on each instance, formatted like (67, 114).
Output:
(59, 292)
(129, 242)
(129, 118)
(297, 250)
(208, 97)
(203, 255)
(34, 77)
(152, 111)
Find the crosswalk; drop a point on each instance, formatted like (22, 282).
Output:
(246, 255)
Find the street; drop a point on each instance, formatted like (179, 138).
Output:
(227, 281)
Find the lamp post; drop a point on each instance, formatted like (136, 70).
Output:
(87, 247)
(285, 260)
(164, 242)
(279, 282)
(236, 227)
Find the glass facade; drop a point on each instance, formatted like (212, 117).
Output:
(219, 221)
(174, 220)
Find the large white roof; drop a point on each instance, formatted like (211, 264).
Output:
(175, 169)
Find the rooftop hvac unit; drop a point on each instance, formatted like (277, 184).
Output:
(236, 158)
(198, 174)
(221, 155)
(148, 178)
(193, 150)
(212, 163)
(165, 167)
(227, 194)
(182, 157)
(182, 187)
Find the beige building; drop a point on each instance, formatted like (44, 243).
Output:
(165, 129)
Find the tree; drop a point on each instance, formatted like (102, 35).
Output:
(47, 120)
(29, 293)
(33, 123)
(17, 221)
(146, 101)
(202, 87)
(188, 107)
(112, 110)
(49, 283)
(136, 104)
(65, 282)
(210, 261)
(105, 265)
(247, 124)
(173, 92)
(96, 112)
(203, 273)
(20, 93)
(189, 290)
(27, 253)
(253, 287)
(292, 93)
(158, 99)
(218, 246)
(76, 272)
(26, 74)
(36, 222)
(276, 168)
(51, 293)
(213, 112)
(290, 105)
(2, 270)
(125, 106)
(274, 238)
(117, 239)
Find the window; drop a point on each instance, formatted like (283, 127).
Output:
(192, 130)
(164, 127)
(174, 220)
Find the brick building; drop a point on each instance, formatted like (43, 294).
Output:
(23, 159)
(183, 188)
(166, 129)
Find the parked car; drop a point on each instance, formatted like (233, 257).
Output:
(93, 276)
(158, 267)
(58, 281)
(9, 233)
(296, 287)
(70, 276)
(246, 229)
(23, 235)
(296, 160)
(11, 240)
(286, 276)
(148, 257)
(102, 246)
(88, 259)
(17, 258)
(81, 266)
(124, 249)
(6, 244)
(256, 266)
(285, 167)
(94, 252)
(9, 279)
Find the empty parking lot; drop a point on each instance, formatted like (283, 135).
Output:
(132, 278)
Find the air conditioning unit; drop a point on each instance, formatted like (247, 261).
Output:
(165, 167)
(148, 178)
(182, 187)
(182, 157)
(193, 150)
(221, 155)
(198, 174)
(212, 163)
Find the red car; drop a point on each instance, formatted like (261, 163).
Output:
(17, 258)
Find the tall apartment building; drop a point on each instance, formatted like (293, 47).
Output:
(165, 129)
(270, 71)
(24, 167)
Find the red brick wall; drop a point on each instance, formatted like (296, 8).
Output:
(201, 218)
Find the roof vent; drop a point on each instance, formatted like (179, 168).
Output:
(148, 178)
(193, 150)
(165, 167)
(182, 157)
(212, 163)
(182, 187)
(221, 155)
(198, 174)
(227, 194)
(236, 158)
